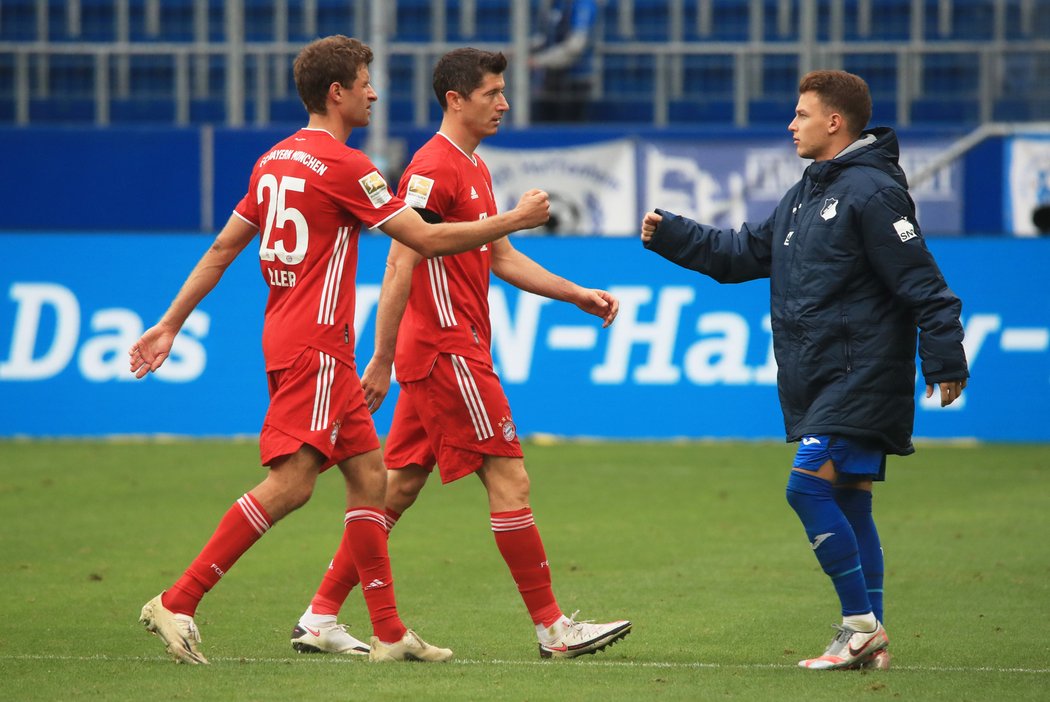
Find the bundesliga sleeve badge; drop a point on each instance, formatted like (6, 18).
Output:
(418, 192)
(375, 188)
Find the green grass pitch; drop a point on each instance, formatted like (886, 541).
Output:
(692, 542)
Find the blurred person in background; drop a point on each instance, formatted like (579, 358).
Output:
(562, 61)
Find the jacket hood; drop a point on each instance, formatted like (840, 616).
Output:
(883, 154)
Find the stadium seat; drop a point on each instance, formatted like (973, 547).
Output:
(62, 111)
(772, 111)
(70, 75)
(628, 76)
(707, 76)
(333, 17)
(620, 111)
(413, 21)
(18, 20)
(492, 22)
(700, 111)
(176, 21)
(944, 111)
(401, 110)
(97, 22)
(972, 20)
(878, 70)
(7, 82)
(287, 110)
(890, 21)
(207, 111)
(730, 21)
(141, 111)
(1021, 110)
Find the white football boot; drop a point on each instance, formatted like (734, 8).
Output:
(177, 631)
(880, 660)
(849, 649)
(326, 638)
(568, 638)
(409, 648)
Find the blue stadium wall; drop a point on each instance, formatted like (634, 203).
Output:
(686, 358)
(150, 179)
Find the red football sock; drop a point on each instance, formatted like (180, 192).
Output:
(242, 525)
(366, 533)
(341, 576)
(519, 541)
(339, 579)
(391, 519)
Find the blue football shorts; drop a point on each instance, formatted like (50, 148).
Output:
(853, 460)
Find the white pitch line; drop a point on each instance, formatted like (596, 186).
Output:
(354, 660)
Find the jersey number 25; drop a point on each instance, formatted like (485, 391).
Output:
(280, 216)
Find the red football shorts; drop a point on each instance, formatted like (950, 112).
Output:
(454, 417)
(317, 401)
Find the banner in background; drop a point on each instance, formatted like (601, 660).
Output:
(685, 358)
(592, 188)
(1028, 184)
(606, 188)
(729, 183)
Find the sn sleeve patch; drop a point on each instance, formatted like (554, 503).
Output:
(376, 189)
(418, 192)
(905, 229)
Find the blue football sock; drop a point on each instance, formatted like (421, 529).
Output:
(831, 538)
(856, 505)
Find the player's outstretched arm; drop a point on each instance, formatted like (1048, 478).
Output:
(151, 350)
(393, 298)
(522, 272)
(446, 238)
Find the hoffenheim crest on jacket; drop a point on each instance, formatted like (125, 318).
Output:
(830, 208)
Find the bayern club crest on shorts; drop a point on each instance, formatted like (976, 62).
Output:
(335, 432)
(509, 430)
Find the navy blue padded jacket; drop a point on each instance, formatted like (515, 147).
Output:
(851, 282)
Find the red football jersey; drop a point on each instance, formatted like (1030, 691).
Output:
(309, 195)
(448, 308)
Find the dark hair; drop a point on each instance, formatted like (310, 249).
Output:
(334, 59)
(462, 70)
(841, 92)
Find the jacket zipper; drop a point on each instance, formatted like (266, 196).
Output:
(845, 341)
